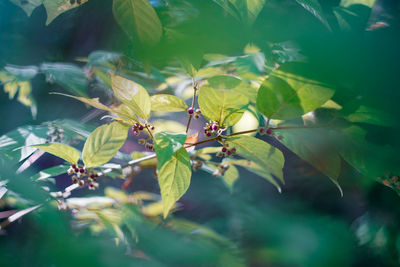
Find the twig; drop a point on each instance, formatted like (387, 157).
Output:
(193, 103)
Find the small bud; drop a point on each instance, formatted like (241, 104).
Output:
(135, 132)
(198, 111)
(220, 154)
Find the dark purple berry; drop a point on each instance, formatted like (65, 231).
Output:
(92, 176)
(82, 170)
(140, 127)
(208, 134)
(152, 128)
(223, 149)
(73, 166)
(76, 170)
(233, 150)
(261, 130)
(190, 111)
(269, 131)
(228, 152)
(215, 127)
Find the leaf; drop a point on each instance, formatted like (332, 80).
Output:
(347, 3)
(132, 94)
(137, 17)
(103, 143)
(65, 152)
(286, 96)
(68, 76)
(370, 115)
(174, 179)
(231, 83)
(248, 10)
(22, 73)
(54, 8)
(167, 103)
(28, 6)
(101, 57)
(246, 123)
(94, 102)
(224, 107)
(166, 144)
(168, 126)
(230, 176)
(315, 147)
(50, 172)
(314, 8)
(266, 156)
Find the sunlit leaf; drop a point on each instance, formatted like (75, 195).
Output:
(132, 94)
(174, 179)
(168, 126)
(103, 143)
(266, 156)
(365, 114)
(222, 106)
(138, 18)
(166, 144)
(286, 96)
(314, 8)
(167, 103)
(347, 3)
(65, 152)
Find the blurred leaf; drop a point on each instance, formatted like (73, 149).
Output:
(167, 103)
(68, 76)
(370, 115)
(65, 152)
(101, 57)
(314, 8)
(248, 10)
(286, 96)
(54, 8)
(227, 82)
(222, 106)
(22, 73)
(50, 172)
(266, 156)
(166, 144)
(174, 179)
(316, 147)
(103, 143)
(138, 17)
(168, 126)
(347, 3)
(230, 176)
(132, 94)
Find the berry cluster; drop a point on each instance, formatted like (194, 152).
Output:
(197, 164)
(137, 128)
(55, 134)
(226, 152)
(147, 143)
(263, 131)
(220, 171)
(83, 176)
(213, 127)
(195, 113)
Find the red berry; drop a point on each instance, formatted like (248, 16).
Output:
(228, 152)
(223, 149)
(82, 170)
(269, 131)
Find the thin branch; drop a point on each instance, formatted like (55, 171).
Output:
(193, 104)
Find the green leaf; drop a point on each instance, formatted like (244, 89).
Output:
(230, 177)
(174, 179)
(138, 18)
(68, 76)
(370, 115)
(266, 156)
(94, 102)
(166, 144)
(22, 73)
(286, 96)
(224, 107)
(56, 7)
(65, 152)
(103, 143)
(101, 57)
(314, 8)
(248, 10)
(132, 94)
(228, 82)
(315, 147)
(167, 103)
(347, 3)
(50, 172)
(168, 126)
(28, 6)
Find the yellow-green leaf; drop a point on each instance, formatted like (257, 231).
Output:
(65, 152)
(224, 107)
(138, 18)
(103, 143)
(174, 179)
(132, 94)
(167, 103)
